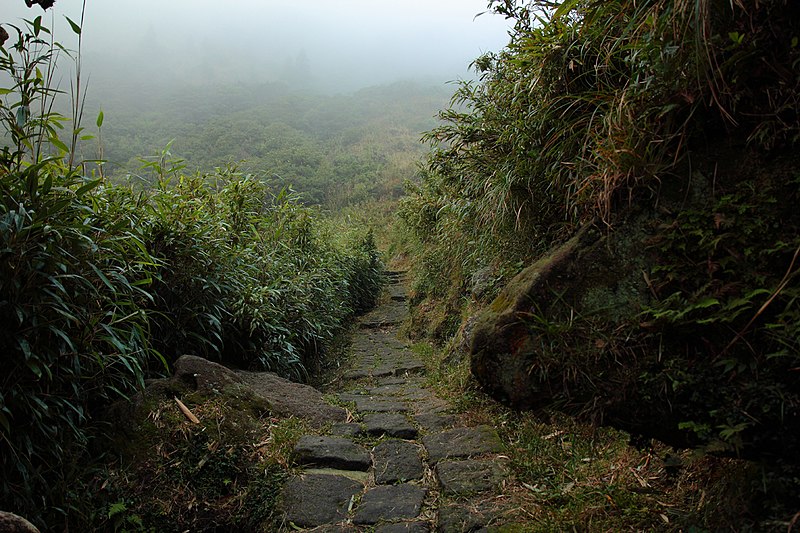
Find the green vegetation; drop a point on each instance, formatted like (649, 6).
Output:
(673, 128)
(588, 109)
(596, 105)
(104, 284)
(334, 150)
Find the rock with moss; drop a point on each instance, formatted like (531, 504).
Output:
(11, 523)
(517, 349)
(257, 392)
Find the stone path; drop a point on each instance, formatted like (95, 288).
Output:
(406, 464)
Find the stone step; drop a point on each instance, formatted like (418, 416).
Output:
(387, 315)
(386, 503)
(435, 422)
(461, 478)
(397, 293)
(331, 452)
(461, 443)
(404, 527)
(397, 460)
(390, 424)
(380, 405)
(315, 499)
(347, 489)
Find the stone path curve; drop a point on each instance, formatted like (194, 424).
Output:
(407, 464)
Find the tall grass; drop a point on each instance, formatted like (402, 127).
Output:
(590, 108)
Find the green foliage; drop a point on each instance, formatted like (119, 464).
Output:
(71, 287)
(590, 106)
(102, 285)
(728, 302)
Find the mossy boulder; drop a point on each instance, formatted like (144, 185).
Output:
(257, 392)
(513, 354)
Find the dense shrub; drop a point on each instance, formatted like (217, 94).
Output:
(249, 276)
(102, 285)
(589, 107)
(597, 110)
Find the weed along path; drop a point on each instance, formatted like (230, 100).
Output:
(404, 463)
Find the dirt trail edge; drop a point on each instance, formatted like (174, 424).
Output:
(405, 464)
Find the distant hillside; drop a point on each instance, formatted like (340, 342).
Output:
(335, 150)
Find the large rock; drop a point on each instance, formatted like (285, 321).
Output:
(506, 355)
(258, 390)
(657, 326)
(204, 376)
(287, 398)
(11, 523)
(550, 336)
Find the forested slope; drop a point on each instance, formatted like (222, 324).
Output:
(639, 159)
(334, 149)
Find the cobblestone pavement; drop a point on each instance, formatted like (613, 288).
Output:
(406, 464)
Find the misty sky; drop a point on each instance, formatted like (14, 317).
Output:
(338, 45)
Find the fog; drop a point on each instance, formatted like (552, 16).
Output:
(321, 45)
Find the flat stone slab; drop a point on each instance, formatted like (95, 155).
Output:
(396, 389)
(435, 421)
(356, 475)
(350, 397)
(384, 371)
(397, 292)
(470, 476)
(390, 502)
(391, 424)
(335, 528)
(374, 341)
(404, 527)
(370, 372)
(347, 430)
(316, 499)
(409, 369)
(393, 381)
(407, 391)
(380, 405)
(396, 460)
(331, 452)
(458, 518)
(432, 404)
(461, 442)
(386, 315)
(357, 373)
